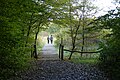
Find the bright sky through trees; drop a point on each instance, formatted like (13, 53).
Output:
(104, 6)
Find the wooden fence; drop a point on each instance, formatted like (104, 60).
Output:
(61, 51)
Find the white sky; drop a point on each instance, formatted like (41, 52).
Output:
(104, 5)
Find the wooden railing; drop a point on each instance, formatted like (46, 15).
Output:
(61, 51)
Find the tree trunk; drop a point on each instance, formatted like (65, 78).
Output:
(35, 43)
(35, 47)
(74, 41)
(83, 29)
(29, 28)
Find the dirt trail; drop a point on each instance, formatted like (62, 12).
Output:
(49, 53)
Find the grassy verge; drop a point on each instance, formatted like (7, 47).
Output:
(85, 59)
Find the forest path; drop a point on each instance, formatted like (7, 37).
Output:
(60, 70)
(49, 67)
(49, 53)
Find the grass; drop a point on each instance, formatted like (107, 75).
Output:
(86, 59)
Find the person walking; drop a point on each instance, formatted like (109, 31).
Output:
(51, 39)
(48, 39)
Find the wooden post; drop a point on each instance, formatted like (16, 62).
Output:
(35, 52)
(62, 52)
(59, 50)
(61, 40)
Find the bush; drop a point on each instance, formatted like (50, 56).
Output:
(110, 59)
(13, 54)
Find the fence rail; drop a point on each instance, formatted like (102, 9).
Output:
(80, 51)
(61, 51)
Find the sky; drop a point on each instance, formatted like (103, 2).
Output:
(104, 6)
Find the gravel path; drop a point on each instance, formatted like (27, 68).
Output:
(49, 67)
(49, 53)
(61, 70)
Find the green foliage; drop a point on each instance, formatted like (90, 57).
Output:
(15, 17)
(110, 55)
(85, 60)
(20, 23)
(54, 28)
(111, 47)
(11, 49)
(75, 19)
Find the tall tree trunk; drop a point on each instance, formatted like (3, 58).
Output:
(71, 29)
(83, 28)
(74, 41)
(73, 37)
(35, 43)
(29, 28)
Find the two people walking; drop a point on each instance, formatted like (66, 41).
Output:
(50, 39)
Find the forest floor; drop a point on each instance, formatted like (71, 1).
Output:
(49, 67)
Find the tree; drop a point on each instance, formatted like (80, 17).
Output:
(109, 56)
(18, 25)
(12, 37)
(82, 11)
